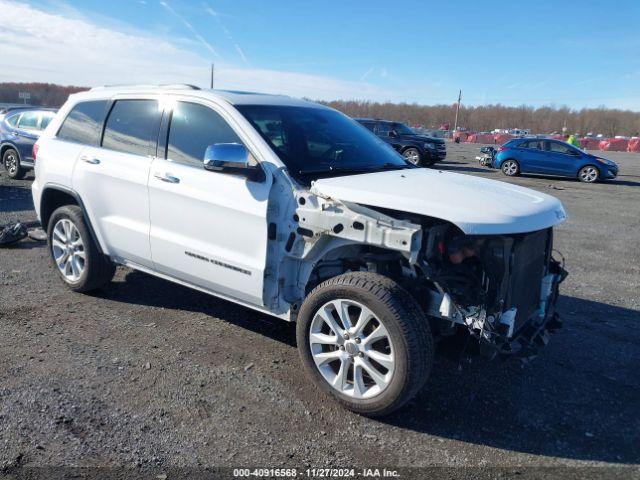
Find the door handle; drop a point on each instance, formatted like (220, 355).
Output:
(167, 178)
(91, 160)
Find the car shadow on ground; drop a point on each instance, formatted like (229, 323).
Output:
(568, 403)
(15, 198)
(142, 289)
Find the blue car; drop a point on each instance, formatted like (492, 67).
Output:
(19, 130)
(552, 157)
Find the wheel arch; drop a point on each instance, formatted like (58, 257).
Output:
(6, 146)
(56, 196)
(589, 164)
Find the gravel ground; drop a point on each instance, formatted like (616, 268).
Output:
(149, 374)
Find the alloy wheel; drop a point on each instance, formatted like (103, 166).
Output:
(510, 167)
(412, 155)
(589, 174)
(68, 250)
(352, 348)
(11, 163)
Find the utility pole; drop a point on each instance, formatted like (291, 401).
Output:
(212, 73)
(455, 125)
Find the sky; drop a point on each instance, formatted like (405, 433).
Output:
(563, 52)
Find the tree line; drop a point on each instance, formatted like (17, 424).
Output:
(607, 121)
(42, 94)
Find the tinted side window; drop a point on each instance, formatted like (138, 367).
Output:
(84, 123)
(132, 127)
(193, 128)
(559, 147)
(384, 129)
(370, 125)
(534, 144)
(29, 120)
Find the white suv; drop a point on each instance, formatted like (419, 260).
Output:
(293, 209)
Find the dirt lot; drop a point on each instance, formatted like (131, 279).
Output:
(147, 373)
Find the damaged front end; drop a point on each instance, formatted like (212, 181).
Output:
(502, 288)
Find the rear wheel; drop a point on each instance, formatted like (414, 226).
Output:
(510, 168)
(364, 340)
(74, 253)
(588, 174)
(412, 155)
(11, 163)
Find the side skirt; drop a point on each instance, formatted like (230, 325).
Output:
(284, 316)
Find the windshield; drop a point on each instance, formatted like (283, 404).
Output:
(314, 142)
(402, 129)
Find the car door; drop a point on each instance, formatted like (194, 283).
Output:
(112, 178)
(561, 158)
(25, 134)
(207, 228)
(533, 155)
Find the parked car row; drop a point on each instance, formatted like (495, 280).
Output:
(20, 128)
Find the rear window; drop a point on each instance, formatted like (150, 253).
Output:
(46, 119)
(513, 143)
(132, 127)
(13, 119)
(84, 123)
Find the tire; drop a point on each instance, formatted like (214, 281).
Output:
(74, 253)
(510, 168)
(11, 163)
(589, 174)
(404, 346)
(412, 155)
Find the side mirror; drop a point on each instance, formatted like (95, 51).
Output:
(231, 158)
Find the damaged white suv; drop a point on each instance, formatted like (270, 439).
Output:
(295, 210)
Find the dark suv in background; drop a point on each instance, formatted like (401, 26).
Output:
(20, 128)
(417, 149)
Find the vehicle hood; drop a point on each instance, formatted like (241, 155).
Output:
(475, 205)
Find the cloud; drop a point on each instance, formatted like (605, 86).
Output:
(36, 45)
(191, 28)
(226, 32)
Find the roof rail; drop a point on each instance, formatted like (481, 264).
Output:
(168, 86)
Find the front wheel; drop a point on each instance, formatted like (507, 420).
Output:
(11, 163)
(412, 155)
(510, 168)
(364, 340)
(588, 174)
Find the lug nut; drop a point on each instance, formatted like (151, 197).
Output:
(361, 354)
(341, 347)
(346, 336)
(358, 340)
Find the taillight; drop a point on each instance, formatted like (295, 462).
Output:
(35, 151)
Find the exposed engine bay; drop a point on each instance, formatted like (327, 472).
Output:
(501, 289)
